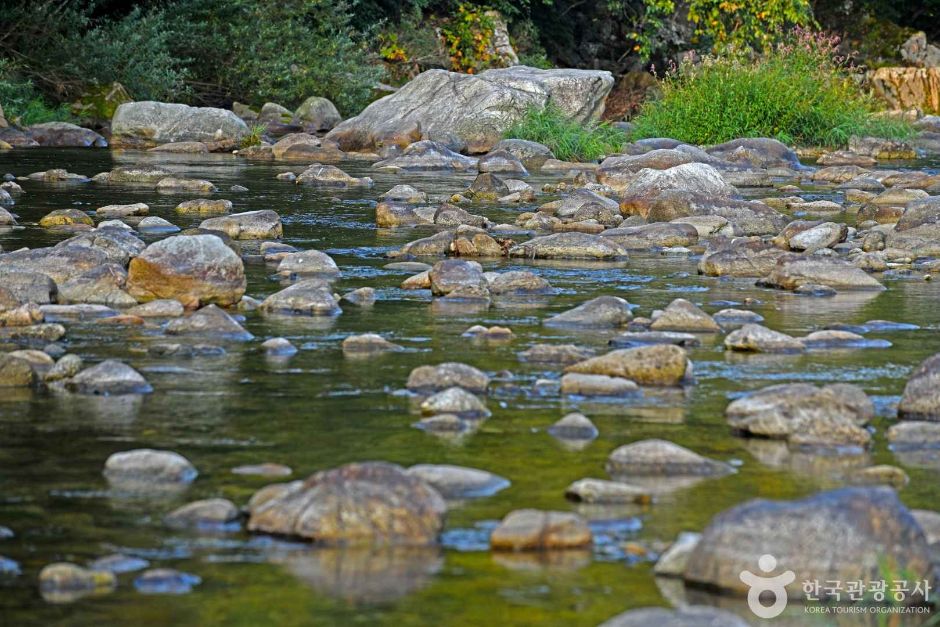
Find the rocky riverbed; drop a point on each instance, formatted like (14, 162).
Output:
(559, 368)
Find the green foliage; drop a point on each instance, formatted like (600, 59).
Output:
(723, 24)
(469, 38)
(22, 102)
(800, 92)
(569, 140)
(254, 136)
(254, 51)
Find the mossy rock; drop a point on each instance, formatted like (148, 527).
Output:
(99, 102)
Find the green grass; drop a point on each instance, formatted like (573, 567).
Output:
(569, 140)
(254, 136)
(800, 93)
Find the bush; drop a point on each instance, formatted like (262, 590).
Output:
(800, 92)
(569, 140)
(21, 101)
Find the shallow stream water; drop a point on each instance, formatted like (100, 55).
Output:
(318, 409)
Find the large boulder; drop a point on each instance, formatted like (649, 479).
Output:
(193, 269)
(757, 152)
(907, 87)
(59, 263)
(921, 398)
(475, 110)
(569, 246)
(793, 271)
(146, 124)
(803, 414)
(648, 236)
(741, 257)
(66, 135)
(839, 535)
(310, 297)
(262, 224)
(370, 503)
(317, 114)
(698, 178)
(657, 365)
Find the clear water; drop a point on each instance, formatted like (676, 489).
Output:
(319, 409)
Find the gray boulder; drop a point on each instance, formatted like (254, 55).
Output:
(475, 109)
(146, 124)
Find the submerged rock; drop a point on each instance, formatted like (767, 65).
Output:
(166, 581)
(149, 466)
(109, 378)
(210, 321)
(368, 344)
(839, 535)
(603, 311)
(603, 492)
(657, 365)
(65, 582)
(205, 514)
(371, 503)
(597, 385)
(458, 482)
(537, 530)
(662, 458)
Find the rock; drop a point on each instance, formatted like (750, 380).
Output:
(435, 245)
(210, 321)
(149, 466)
(442, 376)
(736, 317)
(673, 561)
(147, 124)
(687, 616)
(444, 424)
(368, 344)
(648, 236)
(741, 257)
(804, 414)
(205, 514)
(166, 308)
(904, 88)
(501, 161)
(841, 339)
(391, 215)
(458, 482)
(881, 148)
(23, 286)
(63, 581)
(919, 213)
(173, 184)
(930, 522)
(754, 338)
(310, 297)
(825, 235)
(427, 156)
(531, 154)
(597, 385)
(372, 503)
(118, 563)
(456, 401)
(57, 175)
(166, 581)
(683, 316)
(264, 224)
(103, 285)
(267, 469)
(155, 225)
(793, 271)
(67, 367)
(404, 194)
(921, 397)
(846, 157)
(662, 458)
(109, 212)
(451, 274)
(317, 114)
(278, 347)
(698, 178)
(758, 152)
(909, 434)
(361, 297)
(308, 263)
(330, 176)
(65, 135)
(193, 269)
(273, 112)
(574, 427)
(15, 372)
(489, 334)
(537, 530)
(65, 218)
(204, 207)
(657, 365)
(602, 492)
(569, 246)
(109, 378)
(132, 174)
(563, 354)
(842, 535)
(477, 109)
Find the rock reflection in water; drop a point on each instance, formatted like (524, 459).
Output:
(365, 575)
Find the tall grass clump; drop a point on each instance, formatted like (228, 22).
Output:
(569, 140)
(800, 91)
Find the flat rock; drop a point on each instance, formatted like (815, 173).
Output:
(603, 311)
(662, 458)
(458, 482)
(149, 466)
(754, 338)
(657, 365)
(537, 530)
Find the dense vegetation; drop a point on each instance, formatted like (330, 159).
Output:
(570, 141)
(214, 52)
(799, 91)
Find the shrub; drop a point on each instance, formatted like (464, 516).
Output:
(800, 91)
(21, 101)
(569, 140)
